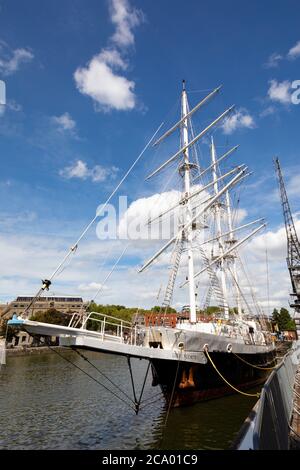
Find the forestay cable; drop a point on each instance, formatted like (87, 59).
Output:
(47, 282)
(74, 247)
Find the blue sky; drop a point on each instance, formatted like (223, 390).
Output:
(66, 138)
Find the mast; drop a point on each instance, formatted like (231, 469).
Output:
(187, 188)
(232, 241)
(217, 209)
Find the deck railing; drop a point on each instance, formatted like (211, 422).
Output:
(108, 327)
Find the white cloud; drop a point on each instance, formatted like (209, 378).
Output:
(294, 52)
(26, 259)
(273, 241)
(240, 119)
(125, 18)
(64, 122)
(134, 222)
(81, 170)
(112, 58)
(268, 111)
(239, 215)
(11, 60)
(101, 79)
(280, 91)
(92, 287)
(78, 170)
(8, 220)
(107, 88)
(293, 187)
(273, 60)
(269, 247)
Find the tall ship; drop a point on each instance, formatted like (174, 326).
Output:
(215, 346)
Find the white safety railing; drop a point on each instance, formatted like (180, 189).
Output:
(108, 327)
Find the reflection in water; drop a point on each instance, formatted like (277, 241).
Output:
(46, 403)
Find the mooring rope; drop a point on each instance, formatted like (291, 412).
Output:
(253, 365)
(226, 381)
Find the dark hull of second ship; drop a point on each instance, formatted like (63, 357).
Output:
(186, 383)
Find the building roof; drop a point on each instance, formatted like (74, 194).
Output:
(49, 298)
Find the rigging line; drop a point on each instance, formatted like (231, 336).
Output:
(82, 370)
(111, 272)
(255, 366)
(101, 373)
(157, 203)
(73, 248)
(136, 404)
(155, 396)
(239, 189)
(255, 302)
(150, 403)
(205, 90)
(250, 287)
(158, 398)
(236, 206)
(229, 384)
(101, 265)
(238, 286)
(63, 268)
(144, 383)
(172, 394)
(168, 117)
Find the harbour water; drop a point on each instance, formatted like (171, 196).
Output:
(46, 403)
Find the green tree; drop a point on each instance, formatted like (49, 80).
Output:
(283, 319)
(275, 315)
(212, 309)
(125, 313)
(158, 309)
(51, 316)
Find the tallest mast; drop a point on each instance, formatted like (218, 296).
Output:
(187, 188)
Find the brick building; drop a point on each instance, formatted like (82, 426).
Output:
(64, 304)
